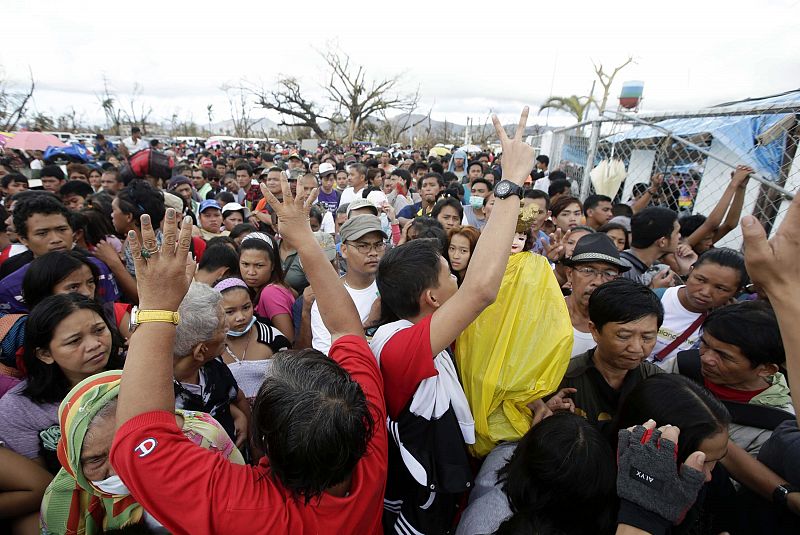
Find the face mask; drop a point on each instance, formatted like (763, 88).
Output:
(236, 334)
(476, 202)
(112, 485)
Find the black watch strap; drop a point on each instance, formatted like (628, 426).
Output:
(782, 491)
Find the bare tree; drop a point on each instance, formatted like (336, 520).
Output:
(241, 110)
(14, 104)
(358, 97)
(70, 121)
(210, 112)
(295, 109)
(111, 109)
(606, 79)
(392, 129)
(138, 112)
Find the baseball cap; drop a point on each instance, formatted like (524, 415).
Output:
(361, 203)
(295, 157)
(235, 207)
(208, 203)
(328, 244)
(206, 162)
(178, 180)
(326, 168)
(359, 226)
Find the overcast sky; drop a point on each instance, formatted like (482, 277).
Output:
(466, 57)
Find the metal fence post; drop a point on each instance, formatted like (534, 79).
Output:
(586, 181)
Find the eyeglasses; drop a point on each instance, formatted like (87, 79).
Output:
(365, 248)
(607, 275)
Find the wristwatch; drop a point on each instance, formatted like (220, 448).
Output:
(505, 189)
(781, 493)
(148, 316)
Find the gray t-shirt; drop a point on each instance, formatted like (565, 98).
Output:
(22, 421)
(488, 506)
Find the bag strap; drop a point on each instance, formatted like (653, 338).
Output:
(661, 355)
(759, 416)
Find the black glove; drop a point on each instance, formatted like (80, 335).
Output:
(648, 478)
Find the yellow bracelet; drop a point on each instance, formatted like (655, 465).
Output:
(148, 316)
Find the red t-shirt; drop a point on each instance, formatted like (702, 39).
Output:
(406, 361)
(195, 491)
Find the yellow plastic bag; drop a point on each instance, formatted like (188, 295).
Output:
(515, 352)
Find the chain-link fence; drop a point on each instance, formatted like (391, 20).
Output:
(695, 151)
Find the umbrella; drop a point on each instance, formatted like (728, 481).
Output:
(4, 137)
(438, 151)
(607, 177)
(33, 141)
(470, 148)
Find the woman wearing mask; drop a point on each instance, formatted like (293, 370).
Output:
(86, 495)
(249, 343)
(261, 270)
(67, 339)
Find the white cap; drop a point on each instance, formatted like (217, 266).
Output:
(325, 168)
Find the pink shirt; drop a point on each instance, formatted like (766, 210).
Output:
(274, 300)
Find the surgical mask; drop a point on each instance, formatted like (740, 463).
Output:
(476, 202)
(112, 485)
(237, 334)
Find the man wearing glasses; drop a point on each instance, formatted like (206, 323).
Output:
(594, 261)
(363, 245)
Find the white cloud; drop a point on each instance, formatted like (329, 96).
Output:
(466, 57)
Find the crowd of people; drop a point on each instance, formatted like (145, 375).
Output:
(239, 340)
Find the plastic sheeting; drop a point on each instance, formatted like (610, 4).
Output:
(515, 352)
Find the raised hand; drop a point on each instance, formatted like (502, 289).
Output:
(556, 249)
(293, 211)
(656, 181)
(518, 156)
(163, 274)
(740, 176)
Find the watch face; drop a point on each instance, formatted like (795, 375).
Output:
(503, 188)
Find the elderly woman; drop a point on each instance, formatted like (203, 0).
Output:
(202, 380)
(86, 496)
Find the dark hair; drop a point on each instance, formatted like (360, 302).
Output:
(726, 257)
(536, 194)
(101, 202)
(46, 382)
(240, 229)
(429, 227)
(404, 175)
(452, 202)
(437, 167)
(218, 256)
(417, 166)
(690, 223)
(50, 269)
(752, 327)
(557, 186)
(138, 198)
(439, 178)
(77, 168)
(623, 301)
(562, 203)
(75, 187)
(36, 203)
(13, 177)
(52, 170)
(312, 420)
(478, 163)
(650, 225)
(257, 244)
(697, 413)
(244, 167)
(562, 462)
(481, 180)
(616, 226)
(470, 233)
(592, 201)
(542, 158)
(622, 209)
(225, 196)
(227, 241)
(404, 273)
(95, 226)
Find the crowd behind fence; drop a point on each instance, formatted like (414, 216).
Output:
(695, 151)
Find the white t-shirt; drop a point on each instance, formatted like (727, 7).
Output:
(135, 146)
(581, 342)
(676, 320)
(349, 195)
(363, 299)
(542, 184)
(328, 224)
